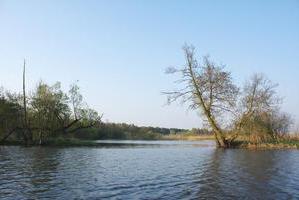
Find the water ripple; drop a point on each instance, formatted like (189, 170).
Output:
(176, 170)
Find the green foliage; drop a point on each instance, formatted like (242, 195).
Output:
(49, 109)
(55, 117)
(10, 114)
(51, 113)
(124, 131)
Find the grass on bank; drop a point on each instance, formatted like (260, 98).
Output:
(283, 144)
(290, 141)
(188, 136)
(287, 142)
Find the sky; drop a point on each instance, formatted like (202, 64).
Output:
(119, 50)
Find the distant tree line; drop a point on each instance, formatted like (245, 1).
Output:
(126, 131)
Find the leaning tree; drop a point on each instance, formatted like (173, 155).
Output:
(208, 87)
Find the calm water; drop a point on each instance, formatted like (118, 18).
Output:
(148, 170)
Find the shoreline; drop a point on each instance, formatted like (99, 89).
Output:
(72, 142)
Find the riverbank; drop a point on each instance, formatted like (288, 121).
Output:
(288, 142)
(187, 136)
(62, 142)
(285, 143)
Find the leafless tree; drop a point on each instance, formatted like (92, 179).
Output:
(26, 130)
(260, 109)
(259, 95)
(208, 87)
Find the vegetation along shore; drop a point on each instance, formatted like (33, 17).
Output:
(235, 117)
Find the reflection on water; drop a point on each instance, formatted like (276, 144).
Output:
(252, 174)
(148, 170)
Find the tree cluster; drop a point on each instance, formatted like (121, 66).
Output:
(47, 112)
(252, 110)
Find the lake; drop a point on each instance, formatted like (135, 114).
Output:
(148, 170)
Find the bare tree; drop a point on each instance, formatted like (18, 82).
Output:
(259, 95)
(260, 112)
(25, 123)
(280, 124)
(208, 87)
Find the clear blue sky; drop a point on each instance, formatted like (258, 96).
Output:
(118, 50)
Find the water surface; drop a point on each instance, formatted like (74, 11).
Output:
(148, 170)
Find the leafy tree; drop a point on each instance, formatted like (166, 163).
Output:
(50, 112)
(10, 115)
(49, 109)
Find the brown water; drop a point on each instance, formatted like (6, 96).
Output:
(148, 170)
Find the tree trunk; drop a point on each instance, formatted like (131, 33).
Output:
(7, 135)
(40, 137)
(24, 105)
(26, 132)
